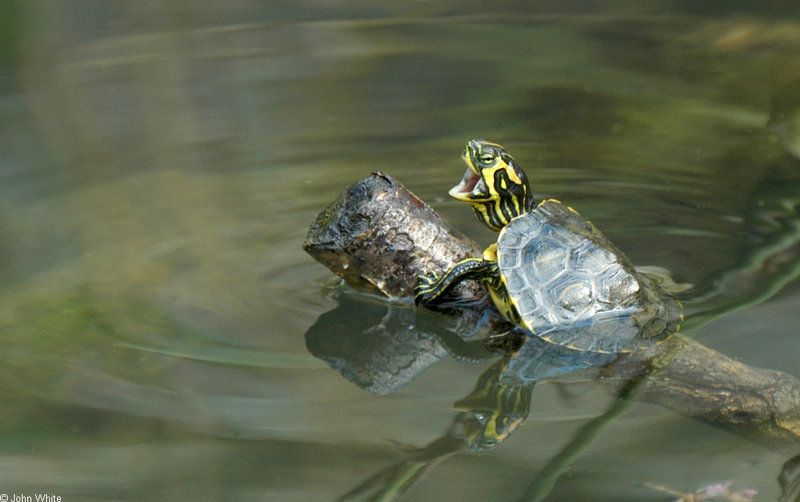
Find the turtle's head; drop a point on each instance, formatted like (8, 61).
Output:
(494, 184)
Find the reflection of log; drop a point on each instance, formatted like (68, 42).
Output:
(377, 350)
(381, 236)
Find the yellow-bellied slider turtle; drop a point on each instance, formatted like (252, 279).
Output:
(551, 271)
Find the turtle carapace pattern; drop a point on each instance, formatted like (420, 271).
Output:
(551, 271)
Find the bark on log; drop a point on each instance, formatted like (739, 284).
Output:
(379, 236)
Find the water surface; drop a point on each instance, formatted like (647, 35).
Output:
(161, 164)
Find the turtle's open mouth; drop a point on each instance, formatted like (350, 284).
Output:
(463, 190)
(471, 187)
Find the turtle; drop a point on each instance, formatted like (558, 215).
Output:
(551, 273)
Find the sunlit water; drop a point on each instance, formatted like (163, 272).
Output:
(161, 165)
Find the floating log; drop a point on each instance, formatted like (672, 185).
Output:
(379, 237)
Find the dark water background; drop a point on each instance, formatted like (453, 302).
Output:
(160, 163)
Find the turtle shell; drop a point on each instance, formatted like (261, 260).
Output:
(571, 286)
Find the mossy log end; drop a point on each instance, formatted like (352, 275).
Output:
(379, 236)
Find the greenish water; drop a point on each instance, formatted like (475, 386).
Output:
(160, 165)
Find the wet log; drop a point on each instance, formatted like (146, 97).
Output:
(379, 236)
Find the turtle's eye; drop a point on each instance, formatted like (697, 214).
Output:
(486, 158)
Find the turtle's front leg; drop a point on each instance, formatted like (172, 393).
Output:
(431, 286)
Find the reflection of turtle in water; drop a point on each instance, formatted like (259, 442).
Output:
(551, 271)
(493, 410)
